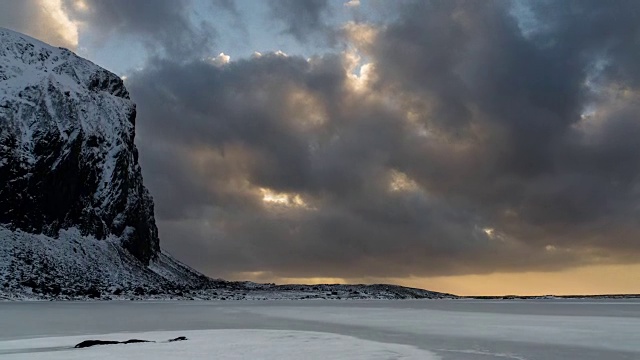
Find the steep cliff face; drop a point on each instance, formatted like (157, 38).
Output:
(67, 153)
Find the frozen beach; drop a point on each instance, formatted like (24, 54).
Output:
(425, 329)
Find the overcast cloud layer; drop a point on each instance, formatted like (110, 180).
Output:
(453, 137)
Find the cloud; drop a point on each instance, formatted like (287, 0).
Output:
(304, 20)
(462, 145)
(227, 5)
(166, 26)
(449, 137)
(42, 19)
(221, 59)
(352, 3)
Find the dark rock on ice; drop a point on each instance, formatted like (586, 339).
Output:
(89, 343)
(179, 338)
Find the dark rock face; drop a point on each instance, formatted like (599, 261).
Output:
(67, 153)
(90, 343)
(179, 338)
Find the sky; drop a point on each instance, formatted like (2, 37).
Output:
(473, 147)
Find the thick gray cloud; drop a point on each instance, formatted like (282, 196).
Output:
(163, 25)
(479, 138)
(477, 146)
(520, 101)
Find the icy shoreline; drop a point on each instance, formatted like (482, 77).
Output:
(447, 329)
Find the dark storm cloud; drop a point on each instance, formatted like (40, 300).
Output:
(304, 20)
(162, 24)
(526, 96)
(477, 147)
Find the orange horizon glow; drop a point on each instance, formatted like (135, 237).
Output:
(588, 280)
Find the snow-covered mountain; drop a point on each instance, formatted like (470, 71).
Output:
(75, 217)
(66, 147)
(76, 221)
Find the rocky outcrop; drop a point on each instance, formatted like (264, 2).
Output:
(90, 343)
(67, 153)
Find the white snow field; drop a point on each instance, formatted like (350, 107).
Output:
(218, 344)
(317, 329)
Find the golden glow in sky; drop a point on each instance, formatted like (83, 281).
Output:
(589, 280)
(270, 197)
(62, 26)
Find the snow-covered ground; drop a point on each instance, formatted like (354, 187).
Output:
(218, 344)
(36, 266)
(410, 329)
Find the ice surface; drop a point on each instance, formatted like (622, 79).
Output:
(219, 344)
(447, 329)
(585, 331)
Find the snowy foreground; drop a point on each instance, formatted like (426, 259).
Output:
(410, 329)
(220, 344)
